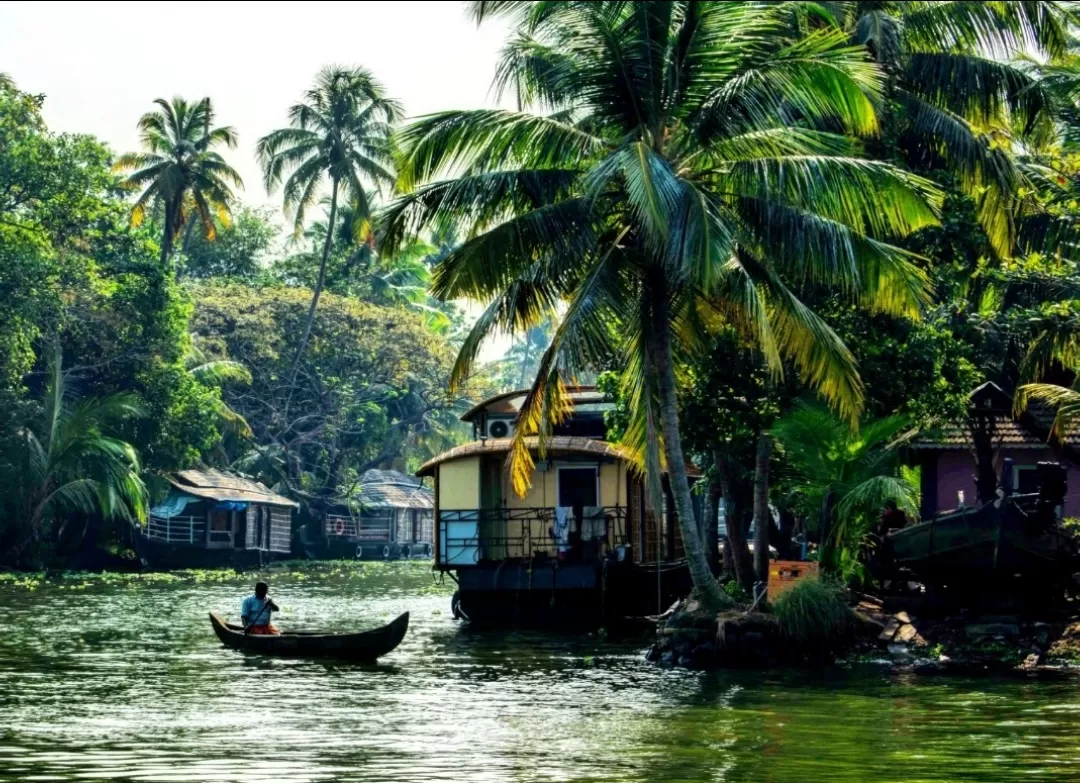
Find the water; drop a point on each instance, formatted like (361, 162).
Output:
(125, 681)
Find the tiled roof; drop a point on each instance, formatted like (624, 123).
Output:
(1030, 430)
(219, 485)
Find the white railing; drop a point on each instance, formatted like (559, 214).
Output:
(177, 530)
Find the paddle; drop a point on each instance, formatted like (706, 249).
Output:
(267, 604)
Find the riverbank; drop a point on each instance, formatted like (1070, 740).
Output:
(959, 641)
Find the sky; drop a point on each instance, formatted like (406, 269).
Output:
(100, 65)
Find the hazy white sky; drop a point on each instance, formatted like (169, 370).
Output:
(101, 64)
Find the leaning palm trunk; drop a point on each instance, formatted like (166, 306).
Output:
(318, 288)
(762, 519)
(704, 583)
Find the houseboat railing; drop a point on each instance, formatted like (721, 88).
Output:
(366, 528)
(177, 530)
(471, 536)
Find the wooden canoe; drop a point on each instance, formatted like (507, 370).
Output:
(365, 646)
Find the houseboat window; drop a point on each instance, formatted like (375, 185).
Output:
(577, 487)
(219, 521)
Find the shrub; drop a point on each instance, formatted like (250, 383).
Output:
(815, 615)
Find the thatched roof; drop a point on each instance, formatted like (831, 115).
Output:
(556, 446)
(219, 485)
(511, 402)
(392, 489)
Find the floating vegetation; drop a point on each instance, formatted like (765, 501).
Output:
(285, 572)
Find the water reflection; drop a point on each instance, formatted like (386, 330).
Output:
(129, 683)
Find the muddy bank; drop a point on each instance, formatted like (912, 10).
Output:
(959, 641)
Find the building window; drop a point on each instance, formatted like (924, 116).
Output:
(1025, 479)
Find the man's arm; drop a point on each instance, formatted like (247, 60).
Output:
(272, 605)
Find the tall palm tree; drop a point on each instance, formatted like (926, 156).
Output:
(957, 100)
(180, 173)
(339, 133)
(65, 462)
(690, 167)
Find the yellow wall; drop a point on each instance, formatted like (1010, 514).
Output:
(544, 490)
(459, 484)
(613, 484)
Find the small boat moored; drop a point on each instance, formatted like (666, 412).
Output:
(366, 646)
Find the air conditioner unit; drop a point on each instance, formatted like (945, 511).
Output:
(500, 428)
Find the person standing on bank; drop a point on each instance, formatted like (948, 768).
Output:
(256, 610)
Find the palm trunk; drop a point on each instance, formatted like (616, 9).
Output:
(737, 553)
(166, 240)
(704, 584)
(185, 245)
(318, 289)
(762, 517)
(710, 535)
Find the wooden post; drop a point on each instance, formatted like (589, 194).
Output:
(435, 523)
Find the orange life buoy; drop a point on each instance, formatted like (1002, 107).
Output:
(339, 527)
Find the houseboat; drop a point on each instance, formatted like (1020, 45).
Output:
(392, 519)
(214, 519)
(580, 546)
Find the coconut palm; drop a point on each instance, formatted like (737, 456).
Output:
(338, 134)
(688, 168)
(840, 478)
(217, 373)
(180, 174)
(65, 462)
(957, 99)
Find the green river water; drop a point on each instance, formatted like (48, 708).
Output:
(122, 679)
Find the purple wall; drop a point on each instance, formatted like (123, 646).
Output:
(956, 471)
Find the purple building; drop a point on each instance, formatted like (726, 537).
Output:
(949, 456)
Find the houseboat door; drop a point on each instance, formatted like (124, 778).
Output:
(578, 488)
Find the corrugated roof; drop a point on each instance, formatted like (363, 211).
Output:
(219, 485)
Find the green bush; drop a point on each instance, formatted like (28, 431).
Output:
(815, 615)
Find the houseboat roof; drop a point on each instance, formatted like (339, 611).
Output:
(511, 402)
(556, 445)
(1029, 430)
(221, 486)
(393, 489)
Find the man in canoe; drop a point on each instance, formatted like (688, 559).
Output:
(256, 610)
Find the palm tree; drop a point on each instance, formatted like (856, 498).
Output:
(64, 462)
(955, 101)
(688, 169)
(217, 373)
(180, 174)
(842, 478)
(339, 132)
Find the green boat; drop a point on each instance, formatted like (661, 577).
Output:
(1015, 537)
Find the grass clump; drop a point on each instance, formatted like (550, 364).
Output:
(815, 615)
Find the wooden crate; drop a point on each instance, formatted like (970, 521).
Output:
(785, 573)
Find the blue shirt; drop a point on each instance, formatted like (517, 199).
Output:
(253, 611)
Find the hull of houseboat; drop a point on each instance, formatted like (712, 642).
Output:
(565, 594)
(341, 548)
(981, 549)
(157, 555)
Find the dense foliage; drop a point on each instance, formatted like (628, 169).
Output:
(183, 321)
